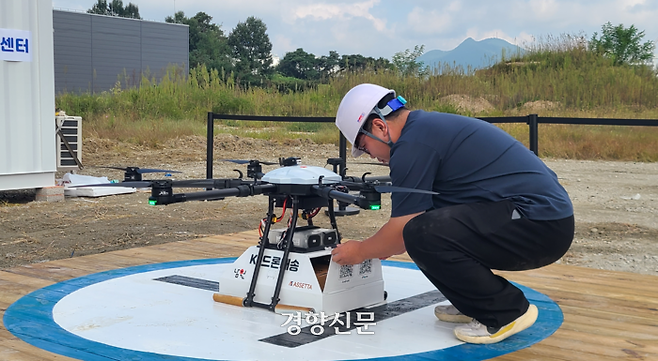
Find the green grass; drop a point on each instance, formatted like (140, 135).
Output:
(561, 72)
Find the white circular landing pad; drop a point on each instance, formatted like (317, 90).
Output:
(166, 311)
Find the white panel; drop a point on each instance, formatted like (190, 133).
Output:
(27, 100)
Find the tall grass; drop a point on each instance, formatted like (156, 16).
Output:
(560, 72)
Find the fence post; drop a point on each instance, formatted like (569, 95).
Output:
(533, 124)
(342, 153)
(209, 144)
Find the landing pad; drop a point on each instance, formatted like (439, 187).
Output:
(164, 311)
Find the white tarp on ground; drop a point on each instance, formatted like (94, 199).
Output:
(70, 181)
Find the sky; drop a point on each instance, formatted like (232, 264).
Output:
(381, 28)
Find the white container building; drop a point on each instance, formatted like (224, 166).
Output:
(27, 95)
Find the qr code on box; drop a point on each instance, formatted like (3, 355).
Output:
(366, 267)
(345, 271)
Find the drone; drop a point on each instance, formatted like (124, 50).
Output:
(295, 269)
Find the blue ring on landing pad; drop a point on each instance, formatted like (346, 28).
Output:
(31, 319)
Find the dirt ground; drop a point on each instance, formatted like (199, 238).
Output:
(616, 205)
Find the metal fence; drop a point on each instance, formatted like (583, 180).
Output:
(532, 120)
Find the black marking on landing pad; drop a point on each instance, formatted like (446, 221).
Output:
(191, 282)
(381, 313)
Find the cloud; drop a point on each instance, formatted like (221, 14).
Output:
(434, 22)
(339, 12)
(544, 8)
(384, 27)
(626, 4)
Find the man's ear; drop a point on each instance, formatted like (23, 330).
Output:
(379, 124)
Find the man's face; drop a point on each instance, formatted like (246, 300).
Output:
(375, 148)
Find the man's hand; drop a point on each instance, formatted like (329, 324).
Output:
(347, 253)
(383, 244)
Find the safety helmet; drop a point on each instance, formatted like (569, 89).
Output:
(355, 108)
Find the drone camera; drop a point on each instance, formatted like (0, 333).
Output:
(307, 238)
(329, 237)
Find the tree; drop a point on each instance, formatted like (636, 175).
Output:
(406, 64)
(298, 64)
(358, 63)
(208, 44)
(622, 45)
(327, 66)
(251, 48)
(115, 8)
(302, 65)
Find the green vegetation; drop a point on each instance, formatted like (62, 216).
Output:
(208, 44)
(622, 45)
(559, 77)
(115, 8)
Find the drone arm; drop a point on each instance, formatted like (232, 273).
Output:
(330, 193)
(239, 191)
(368, 178)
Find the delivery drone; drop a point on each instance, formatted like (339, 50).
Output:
(291, 267)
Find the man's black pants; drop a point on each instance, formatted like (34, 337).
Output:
(456, 247)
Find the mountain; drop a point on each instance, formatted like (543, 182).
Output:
(476, 54)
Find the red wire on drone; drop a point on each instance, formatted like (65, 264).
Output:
(275, 220)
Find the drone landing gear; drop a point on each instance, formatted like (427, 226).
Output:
(287, 246)
(298, 273)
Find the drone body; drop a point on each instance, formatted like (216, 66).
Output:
(301, 174)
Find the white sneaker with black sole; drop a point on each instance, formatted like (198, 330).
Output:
(475, 332)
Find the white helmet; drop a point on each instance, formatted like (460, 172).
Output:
(355, 108)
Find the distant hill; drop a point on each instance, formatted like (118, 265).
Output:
(477, 54)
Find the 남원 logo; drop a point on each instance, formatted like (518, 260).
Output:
(240, 273)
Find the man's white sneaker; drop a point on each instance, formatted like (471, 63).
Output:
(449, 313)
(475, 332)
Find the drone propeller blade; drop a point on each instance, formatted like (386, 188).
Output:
(135, 184)
(391, 189)
(355, 186)
(238, 161)
(372, 163)
(192, 183)
(140, 170)
(149, 170)
(108, 167)
(243, 161)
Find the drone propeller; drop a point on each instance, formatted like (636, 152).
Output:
(393, 189)
(143, 170)
(372, 163)
(135, 173)
(145, 184)
(254, 167)
(243, 161)
(190, 183)
(382, 187)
